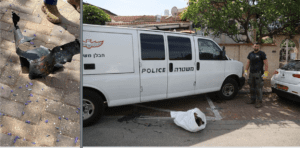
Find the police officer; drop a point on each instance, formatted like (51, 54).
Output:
(256, 60)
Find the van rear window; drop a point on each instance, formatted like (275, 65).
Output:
(152, 47)
(179, 48)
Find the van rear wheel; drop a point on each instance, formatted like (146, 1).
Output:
(92, 107)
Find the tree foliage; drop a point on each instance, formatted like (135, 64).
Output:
(267, 17)
(94, 15)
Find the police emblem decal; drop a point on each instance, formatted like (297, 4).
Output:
(88, 43)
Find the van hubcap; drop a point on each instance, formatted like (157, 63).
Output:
(228, 90)
(88, 109)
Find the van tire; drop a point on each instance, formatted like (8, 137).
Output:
(231, 93)
(90, 96)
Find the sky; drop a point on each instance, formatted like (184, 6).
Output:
(138, 7)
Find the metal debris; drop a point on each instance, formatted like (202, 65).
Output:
(42, 61)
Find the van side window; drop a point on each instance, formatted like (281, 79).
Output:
(152, 47)
(179, 48)
(208, 50)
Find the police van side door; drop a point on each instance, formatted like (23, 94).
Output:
(210, 66)
(181, 65)
(153, 66)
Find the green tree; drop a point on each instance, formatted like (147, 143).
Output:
(267, 17)
(94, 15)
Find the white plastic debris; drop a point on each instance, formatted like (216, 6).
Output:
(187, 120)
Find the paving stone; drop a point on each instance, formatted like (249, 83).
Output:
(21, 25)
(58, 31)
(16, 7)
(71, 129)
(59, 79)
(72, 91)
(65, 141)
(54, 40)
(73, 30)
(5, 92)
(31, 18)
(47, 132)
(30, 3)
(9, 45)
(11, 70)
(73, 65)
(41, 88)
(21, 2)
(1, 15)
(73, 19)
(67, 37)
(45, 22)
(19, 128)
(34, 109)
(6, 140)
(7, 35)
(28, 32)
(24, 143)
(14, 59)
(63, 110)
(21, 92)
(72, 98)
(66, 10)
(27, 46)
(43, 37)
(11, 108)
(5, 26)
(4, 55)
(50, 46)
(37, 43)
(38, 28)
(76, 58)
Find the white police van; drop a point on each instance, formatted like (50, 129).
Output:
(127, 66)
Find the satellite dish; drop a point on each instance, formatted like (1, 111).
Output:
(174, 11)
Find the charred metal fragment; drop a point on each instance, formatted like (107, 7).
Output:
(42, 61)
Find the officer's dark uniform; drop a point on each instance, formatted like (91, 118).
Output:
(256, 71)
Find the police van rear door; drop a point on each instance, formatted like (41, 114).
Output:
(181, 63)
(153, 66)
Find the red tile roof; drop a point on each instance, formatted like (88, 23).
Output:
(145, 18)
(140, 23)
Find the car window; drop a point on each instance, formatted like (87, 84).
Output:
(208, 50)
(179, 48)
(152, 47)
(293, 65)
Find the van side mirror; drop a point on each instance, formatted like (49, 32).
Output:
(223, 53)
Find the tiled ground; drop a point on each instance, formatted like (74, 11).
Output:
(40, 111)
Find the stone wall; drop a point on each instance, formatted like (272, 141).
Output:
(240, 52)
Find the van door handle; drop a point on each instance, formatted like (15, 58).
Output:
(198, 66)
(171, 67)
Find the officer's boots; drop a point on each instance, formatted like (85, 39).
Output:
(75, 3)
(258, 104)
(52, 13)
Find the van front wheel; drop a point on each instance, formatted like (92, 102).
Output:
(92, 107)
(229, 89)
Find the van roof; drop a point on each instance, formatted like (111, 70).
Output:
(143, 29)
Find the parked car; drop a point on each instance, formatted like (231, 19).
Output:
(286, 81)
(126, 66)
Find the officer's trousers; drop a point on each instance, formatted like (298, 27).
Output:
(256, 84)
